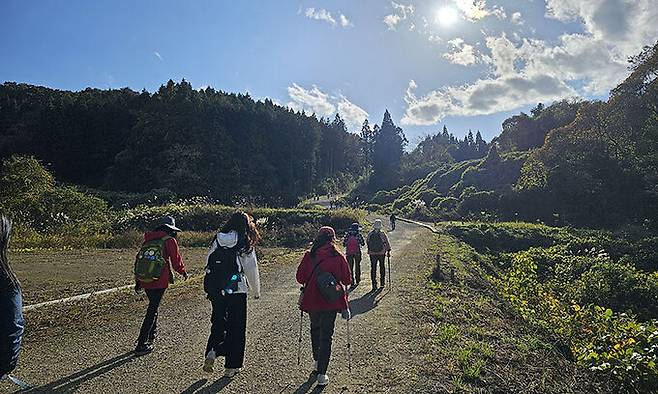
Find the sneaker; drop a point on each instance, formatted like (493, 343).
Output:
(209, 364)
(231, 372)
(323, 380)
(143, 349)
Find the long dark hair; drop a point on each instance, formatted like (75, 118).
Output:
(7, 277)
(243, 224)
(321, 240)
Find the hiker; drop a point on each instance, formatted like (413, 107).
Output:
(11, 306)
(378, 249)
(352, 242)
(157, 256)
(322, 262)
(392, 218)
(232, 269)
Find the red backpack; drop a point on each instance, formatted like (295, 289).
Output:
(353, 245)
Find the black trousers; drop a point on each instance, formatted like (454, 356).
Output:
(322, 332)
(354, 260)
(375, 260)
(150, 325)
(229, 328)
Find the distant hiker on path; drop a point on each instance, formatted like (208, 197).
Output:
(325, 275)
(392, 218)
(232, 269)
(11, 306)
(352, 242)
(378, 249)
(157, 256)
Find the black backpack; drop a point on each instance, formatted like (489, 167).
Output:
(330, 288)
(375, 243)
(222, 272)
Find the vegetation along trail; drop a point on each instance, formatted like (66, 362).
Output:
(95, 356)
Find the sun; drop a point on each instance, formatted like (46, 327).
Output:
(447, 16)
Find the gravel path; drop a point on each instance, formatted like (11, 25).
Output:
(96, 357)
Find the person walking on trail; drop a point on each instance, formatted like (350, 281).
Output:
(11, 306)
(232, 270)
(392, 218)
(153, 273)
(352, 242)
(325, 275)
(378, 249)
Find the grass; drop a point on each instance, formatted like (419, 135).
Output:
(474, 341)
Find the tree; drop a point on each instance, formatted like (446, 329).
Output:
(367, 141)
(388, 149)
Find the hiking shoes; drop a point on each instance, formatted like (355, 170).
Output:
(323, 380)
(143, 349)
(209, 363)
(231, 372)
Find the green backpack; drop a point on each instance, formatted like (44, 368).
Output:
(150, 260)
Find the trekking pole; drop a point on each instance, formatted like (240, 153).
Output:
(299, 343)
(390, 286)
(17, 382)
(349, 348)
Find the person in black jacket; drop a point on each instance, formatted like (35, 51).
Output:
(11, 306)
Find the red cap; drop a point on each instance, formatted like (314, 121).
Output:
(327, 230)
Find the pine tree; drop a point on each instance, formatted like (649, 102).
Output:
(388, 149)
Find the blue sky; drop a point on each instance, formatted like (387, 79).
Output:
(467, 64)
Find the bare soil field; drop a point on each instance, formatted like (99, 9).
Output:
(47, 274)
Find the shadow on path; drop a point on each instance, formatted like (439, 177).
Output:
(366, 302)
(216, 387)
(195, 386)
(71, 383)
(306, 386)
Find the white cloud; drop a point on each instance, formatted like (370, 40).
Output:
(527, 70)
(344, 21)
(517, 19)
(157, 54)
(473, 9)
(323, 15)
(316, 101)
(462, 53)
(483, 97)
(401, 13)
(312, 100)
(352, 114)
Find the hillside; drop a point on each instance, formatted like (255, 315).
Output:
(581, 163)
(175, 143)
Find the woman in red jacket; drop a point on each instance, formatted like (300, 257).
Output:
(167, 230)
(326, 256)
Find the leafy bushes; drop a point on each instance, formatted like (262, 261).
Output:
(603, 308)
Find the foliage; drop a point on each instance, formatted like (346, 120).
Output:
(601, 308)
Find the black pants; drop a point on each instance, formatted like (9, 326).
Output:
(229, 328)
(150, 325)
(374, 260)
(354, 260)
(322, 332)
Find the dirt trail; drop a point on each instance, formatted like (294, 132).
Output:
(99, 358)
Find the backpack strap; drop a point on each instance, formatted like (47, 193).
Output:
(315, 268)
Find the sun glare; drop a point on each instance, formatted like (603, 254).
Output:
(447, 16)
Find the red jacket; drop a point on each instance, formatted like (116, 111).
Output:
(171, 254)
(332, 261)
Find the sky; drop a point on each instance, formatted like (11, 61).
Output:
(466, 64)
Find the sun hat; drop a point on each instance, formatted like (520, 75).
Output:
(328, 231)
(170, 223)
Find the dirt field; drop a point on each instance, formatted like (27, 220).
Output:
(48, 275)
